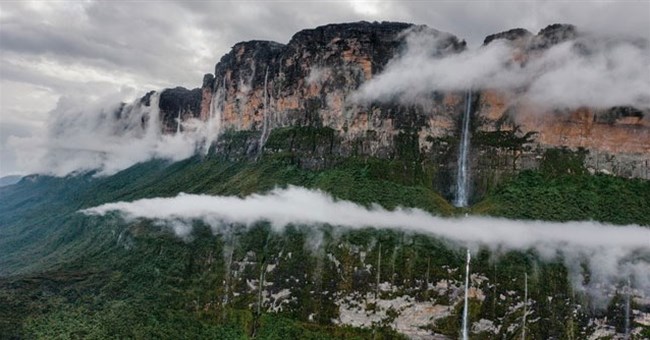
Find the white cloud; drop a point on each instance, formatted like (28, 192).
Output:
(590, 71)
(85, 134)
(612, 252)
(610, 74)
(367, 8)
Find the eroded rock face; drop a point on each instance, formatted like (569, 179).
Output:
(308, 83)
(617, 140)
(262, 86)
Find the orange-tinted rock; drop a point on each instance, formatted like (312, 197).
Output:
(309, 82)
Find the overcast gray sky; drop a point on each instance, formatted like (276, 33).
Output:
(50, 49)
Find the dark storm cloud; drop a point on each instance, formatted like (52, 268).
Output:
(92, 46)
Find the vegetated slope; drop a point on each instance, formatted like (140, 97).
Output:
(47, 247)
(564, 191)
(532, 195)
(69, 274)
(39, 207)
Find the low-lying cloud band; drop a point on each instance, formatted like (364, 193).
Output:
(613, 252)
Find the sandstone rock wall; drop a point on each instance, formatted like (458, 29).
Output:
(262, 86)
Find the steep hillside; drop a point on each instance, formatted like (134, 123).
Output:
(65, 273)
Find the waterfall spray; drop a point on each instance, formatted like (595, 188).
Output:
(228, 253)
(428, 269)
(627, 310)
(393, 258)
(214, 119)
(523, 321)
(462, 177)
(152, 129)
(494, 292)
(226, 280)
(378, 271)
(466, 306)
(263, 265)
(318, 278)
(260, 290)
(178, 123)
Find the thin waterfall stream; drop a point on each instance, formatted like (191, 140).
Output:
(466, 305)
(265, 118)
(627, 309)
(462, 177)
(217, 103)
(523, 320)
(178, 123)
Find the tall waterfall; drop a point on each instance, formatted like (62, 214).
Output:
(462, 178)
(466, 306)
(178, 122)
(627, 309)
(378, 271)
(217, 104)
(153, 127)
(265, 119)
(523, 320)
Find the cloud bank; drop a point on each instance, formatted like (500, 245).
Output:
(612, 252)
(106, 135)
(591, 70)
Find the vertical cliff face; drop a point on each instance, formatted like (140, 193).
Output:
(511, 138)
(178, 104)
(308, 82)
(266, 87)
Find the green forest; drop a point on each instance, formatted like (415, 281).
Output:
(65, 275)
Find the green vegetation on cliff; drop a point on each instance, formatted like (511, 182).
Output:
(66, 275)
(563, 190)
(79, 277)
(532, 195)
